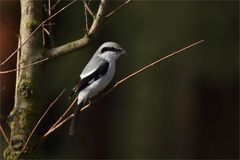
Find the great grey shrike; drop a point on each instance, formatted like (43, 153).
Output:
(97, 74)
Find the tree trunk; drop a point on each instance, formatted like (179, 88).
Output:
(27, 91)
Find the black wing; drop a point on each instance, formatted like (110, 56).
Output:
(86, 81)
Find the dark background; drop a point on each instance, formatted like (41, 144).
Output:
(184, 107)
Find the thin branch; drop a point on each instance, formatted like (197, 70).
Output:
(43, 36)
(152, 64)
(16, 69)
(56, 127)
(36, 29)
(4, 134)
(86, 19)
(53, 7)
(52, 129)
(45, 30)
(83, 42)
(49, 25)
(18, 62)
(69, 47)
(40, 120)
(58, 123)
(98, 19)
(118, 8)
(88, 9)
(64, 114)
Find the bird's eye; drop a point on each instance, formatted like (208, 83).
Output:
(111, 49)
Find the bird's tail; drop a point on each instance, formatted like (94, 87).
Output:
(75, 118)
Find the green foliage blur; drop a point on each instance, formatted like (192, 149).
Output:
(185, 107)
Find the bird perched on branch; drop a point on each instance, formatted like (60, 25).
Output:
(97, 74)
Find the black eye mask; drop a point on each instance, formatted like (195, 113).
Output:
(105, 49)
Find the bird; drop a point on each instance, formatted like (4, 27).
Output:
(96, 75)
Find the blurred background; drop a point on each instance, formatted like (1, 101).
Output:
(185, 107)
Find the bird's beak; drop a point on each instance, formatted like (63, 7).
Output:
(124, 52)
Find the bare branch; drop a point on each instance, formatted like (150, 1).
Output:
(88, 9)
(43, 37)
(98, 19)
(86, 19)
(83, 42)
(69, 47)
(45, 30)
(61, 122)
(53, 7)
(56, 127)
(118, 8)
(36, 29)
(49, 24)
(153, 64)
(4, 134)
(40, 120)
(16, 69)
(17, 63)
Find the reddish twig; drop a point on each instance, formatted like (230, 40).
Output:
(57, 126)
(118, 8)
(64, 114)
(16, 69)
(40, 120)
(4, 134)
(58, 123)
(152, 64)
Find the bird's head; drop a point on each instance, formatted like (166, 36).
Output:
(110, 51)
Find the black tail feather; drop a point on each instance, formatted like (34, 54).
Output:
(75, 119)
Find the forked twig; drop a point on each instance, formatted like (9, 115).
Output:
(4, 134)
(57, 124)
(40, 120)
(86, 16)
(64, 114)
(36, 29)
(88, 9)
(64, 48)
(61, 122)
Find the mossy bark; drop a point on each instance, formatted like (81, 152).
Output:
(24, 113)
